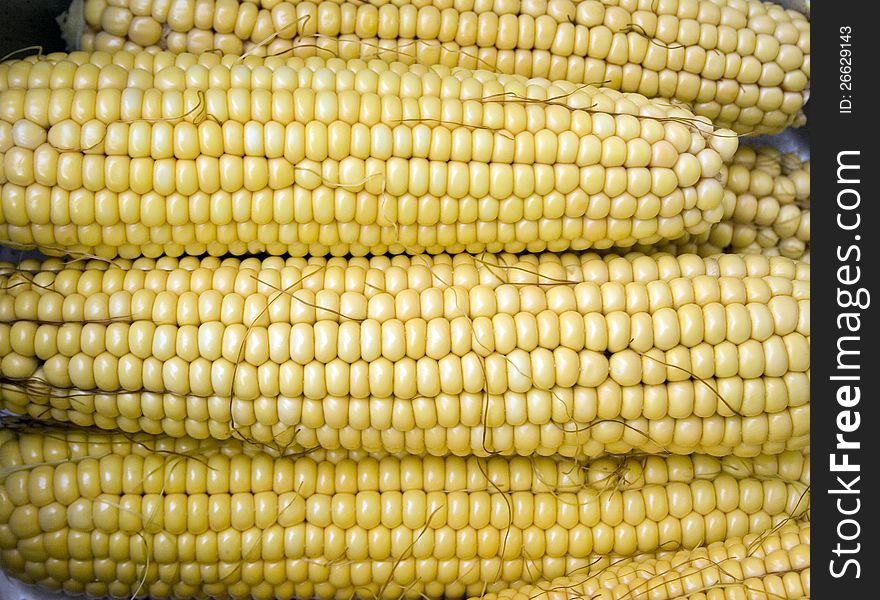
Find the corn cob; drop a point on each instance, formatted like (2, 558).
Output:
(766, 209)
(761, 567)
(576, 354)
(128, 515)
(192, 154)
(744, 64)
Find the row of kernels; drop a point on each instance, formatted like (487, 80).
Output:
(729, 308)
(771, 96)
(449, 89)
(758, 181)
(347, 147)
(790, 585)
(628, 338)
(144, 355)
(181, 512)
(518, 372)
(663, 314)
(780, 40)
(344, 472)
(724, 235)
(142, 23)
(664, 72)
(501, 319)
(265, 579)
(532, 235)
(36, 210)
(115, 70)
(261, 76)
(771, 160)
(769, 402)
(169, 71)
(605, 517)
(331, 542)
(548, 279)
(514, 141)
(412, 218)
(210, 350)
(790, 466)
(445, 23)
(392, 274)
(226, 470)
(248, 337)
(716, 435)
(519, 316)
(134, 240)
(294, 423)
(609, 513)
(223, 475)
(240, 467)
(34, 448)
(346, 124)
(378, 141)
(339, 239)
(502, 7)
(767, 217)
(619, 192)
(768, 241)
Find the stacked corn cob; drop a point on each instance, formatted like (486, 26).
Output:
(443, 424)
(570, 354)
(745, 64)
(192, 518)
(313, 156)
